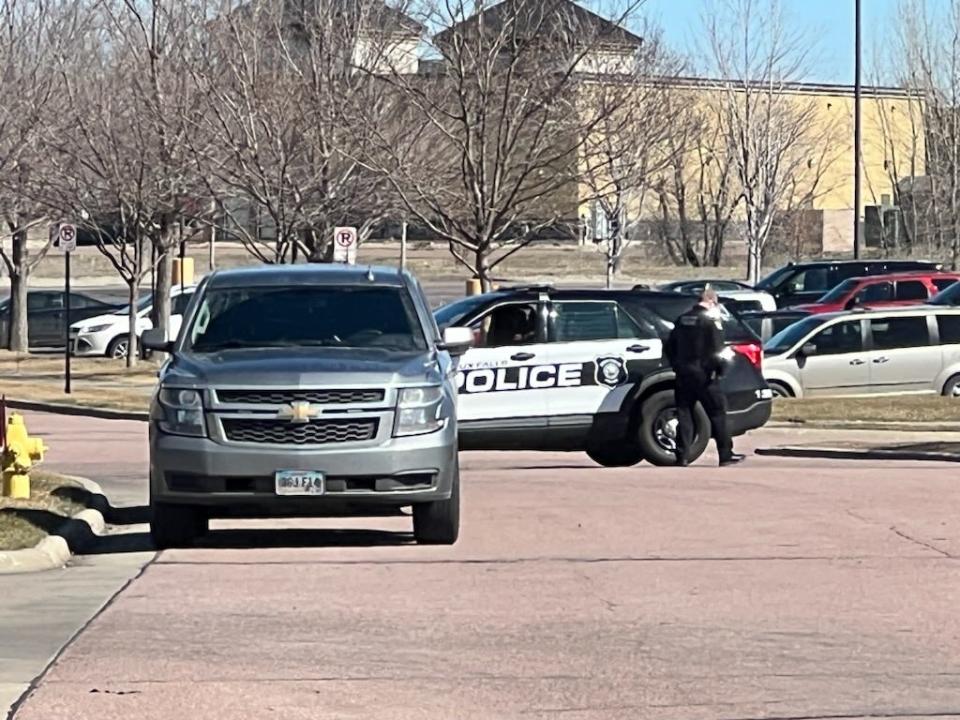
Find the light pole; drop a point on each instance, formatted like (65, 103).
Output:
(856, 134)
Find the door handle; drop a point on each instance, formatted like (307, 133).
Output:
(881, 360)
(638, 348)
(856, 362)
(522, 356)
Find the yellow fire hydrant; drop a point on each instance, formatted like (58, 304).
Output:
(21, 453)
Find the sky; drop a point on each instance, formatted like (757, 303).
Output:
(832, 21)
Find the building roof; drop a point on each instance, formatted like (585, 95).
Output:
(536, 17)
(378, 14)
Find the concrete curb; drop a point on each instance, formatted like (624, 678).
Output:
(78, 410)
(76, 533)
(865, 425)
(829, 453)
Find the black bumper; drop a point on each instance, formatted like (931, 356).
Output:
(750, 418)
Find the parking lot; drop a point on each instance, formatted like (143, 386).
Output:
(786, 588)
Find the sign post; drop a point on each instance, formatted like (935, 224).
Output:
(66, 241)
(345, 245)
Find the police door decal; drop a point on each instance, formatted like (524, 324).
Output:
(609, 371)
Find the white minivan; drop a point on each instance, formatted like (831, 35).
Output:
(902, 350)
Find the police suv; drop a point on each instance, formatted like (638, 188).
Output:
(584, 370)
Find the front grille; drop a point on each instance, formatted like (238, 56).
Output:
(286, 397)
(284, 432)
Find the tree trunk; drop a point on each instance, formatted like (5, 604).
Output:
(18, 328)
(133, 341)
(162, 290)
(483, 271)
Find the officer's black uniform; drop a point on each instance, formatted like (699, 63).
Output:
(694, 349)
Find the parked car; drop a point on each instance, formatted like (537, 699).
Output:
(738, 297)
(879, 291)
(797, 283)
(584, 370)
(767, 324)
(307, 390)
(870, 352)
(46, 315)
(109, 334)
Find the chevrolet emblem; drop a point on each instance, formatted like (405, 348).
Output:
(298, 412)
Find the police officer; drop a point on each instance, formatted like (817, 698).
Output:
(698, 355)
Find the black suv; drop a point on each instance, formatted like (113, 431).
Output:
(806, 282)
(584, 370)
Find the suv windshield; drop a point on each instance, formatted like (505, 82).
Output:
(320, 316)
(949, 297)
(839, 291)
(776, 278)
(792, 334)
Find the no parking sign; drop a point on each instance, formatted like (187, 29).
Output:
(345, 245)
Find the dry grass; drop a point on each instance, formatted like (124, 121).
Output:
(24, 523)
(51, 365)
(904, 409)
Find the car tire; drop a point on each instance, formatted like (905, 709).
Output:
(173, 526)
(657, 414)
(779, 389)
(952, 387)
(438, 523)
(118, 347)
(613, 456)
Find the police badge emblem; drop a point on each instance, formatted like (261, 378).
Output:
(611, 371)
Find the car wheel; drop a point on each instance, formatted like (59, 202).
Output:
(613, 456)
(657, 432)
(173, 526)
(438, 523)
(779, 389)
(952, 388)
(117, 349)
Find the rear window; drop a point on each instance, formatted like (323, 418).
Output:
(911, 290)
(318, 316)
(949, 326)
(899, 332)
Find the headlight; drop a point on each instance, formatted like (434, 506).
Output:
(95, 329)
(419, 411)
(182, 412)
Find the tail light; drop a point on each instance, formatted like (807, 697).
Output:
(752, 352)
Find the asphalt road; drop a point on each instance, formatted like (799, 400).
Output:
(783, 589)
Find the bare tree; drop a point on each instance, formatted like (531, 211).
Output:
(485, 143)
(126, 166)
(34, 36)
(781, 149)
(283, 81)
(633, 141)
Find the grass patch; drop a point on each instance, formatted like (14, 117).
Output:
(50, 365)
(895, 409)
(53, 498)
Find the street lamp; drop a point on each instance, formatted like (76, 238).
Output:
(856, 134)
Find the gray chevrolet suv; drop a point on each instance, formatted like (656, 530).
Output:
(310, 390)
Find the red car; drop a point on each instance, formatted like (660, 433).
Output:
(877, 291)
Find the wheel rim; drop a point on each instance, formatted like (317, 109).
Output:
(666, 428)
(955, 390)
(119, 350)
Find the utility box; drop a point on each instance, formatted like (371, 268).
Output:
(183, 271)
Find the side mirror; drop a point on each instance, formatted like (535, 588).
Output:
(457, 340)
(156, 339)
(808, 350)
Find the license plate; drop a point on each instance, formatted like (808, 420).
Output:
(299, 482)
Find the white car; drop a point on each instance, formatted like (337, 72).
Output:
(108, 335)
(735, 295)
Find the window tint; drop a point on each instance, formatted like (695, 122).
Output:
(943, 283)
(44, 301)
(911, 290)
(314, 316)
(949, 329)
(876, 292)
(82, 301)
(844, 337)
(813, 280)
(577, 321)
(513, 324)
(899, 332)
